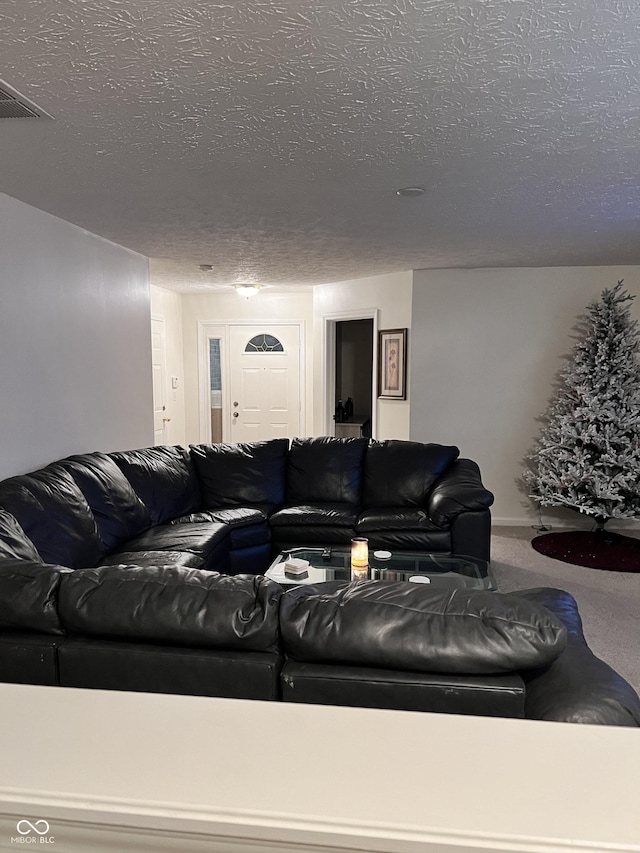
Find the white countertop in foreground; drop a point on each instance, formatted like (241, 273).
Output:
(132, 771)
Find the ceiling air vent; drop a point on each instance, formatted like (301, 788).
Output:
(15, 105)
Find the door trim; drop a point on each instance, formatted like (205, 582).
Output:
(212, 328)
(165, 394)
(329, 361)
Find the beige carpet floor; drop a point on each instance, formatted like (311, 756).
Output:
(609, 602)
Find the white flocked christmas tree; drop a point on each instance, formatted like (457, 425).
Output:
(587, 456)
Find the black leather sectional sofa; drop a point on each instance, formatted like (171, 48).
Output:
(142, 570)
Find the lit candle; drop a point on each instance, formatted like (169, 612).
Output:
(359, 558)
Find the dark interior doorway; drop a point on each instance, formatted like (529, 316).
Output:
(354, 375)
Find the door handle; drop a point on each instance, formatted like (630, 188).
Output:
(235, 414)
(166, 420)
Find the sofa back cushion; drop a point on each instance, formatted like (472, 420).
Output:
(395, 625)
(14, 543)
(250, 474)
(401, 473)
(163, 478)
(325, 470)
(28, 593)
(55, 516)
(172, 605)
(118, 511)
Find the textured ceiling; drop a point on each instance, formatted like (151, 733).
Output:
(268, 137)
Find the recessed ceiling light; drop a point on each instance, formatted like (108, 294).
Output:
(410, 192)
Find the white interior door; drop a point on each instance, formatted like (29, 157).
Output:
(264, 367)
(158, 363)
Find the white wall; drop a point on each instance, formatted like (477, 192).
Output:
(75, 343)
(225, 307)
(486, 346)
(167, 305)
(391, 296)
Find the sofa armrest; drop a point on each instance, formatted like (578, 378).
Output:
(459, 490)
(577, 687)
(29, 595)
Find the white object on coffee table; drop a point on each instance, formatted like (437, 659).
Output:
(295, 567)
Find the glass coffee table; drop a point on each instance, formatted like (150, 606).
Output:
(439, 570)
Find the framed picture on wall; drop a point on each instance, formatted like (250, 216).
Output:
(392, 364)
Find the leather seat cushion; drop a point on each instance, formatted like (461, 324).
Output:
(402, 528)
(402, 473)
(164, 479)
(118, 511)
(410, 540)
(55, 516)
(172, 605)
(316, 515)
(200, 539)
(28, 594)
(501, 695)
(154, 558)
(241, 475)
(237, 516)
(394, 518)
(14, 543)
(325, 470)
(394, 625)
(247, 525)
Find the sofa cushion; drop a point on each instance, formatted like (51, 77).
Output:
(394, 625)
(118, 511)
(14, 543)
(231, 516)
(402, 529)
(325, 470)
(172, 605)
(401, 473)
(154, 558)
(199, 539)
(307, 515)
(393, 518)
(55, 516)
(163, 478)
(28, 597)
(241, 475)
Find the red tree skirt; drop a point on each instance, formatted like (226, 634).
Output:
(611, 552)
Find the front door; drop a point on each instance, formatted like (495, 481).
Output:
(264, 382)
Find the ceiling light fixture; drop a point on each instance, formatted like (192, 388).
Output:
(410, 192)
(247, 290)
(206, 267)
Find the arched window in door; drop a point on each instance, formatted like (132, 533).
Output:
(264, 343)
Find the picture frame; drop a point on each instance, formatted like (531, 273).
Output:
(392, 364)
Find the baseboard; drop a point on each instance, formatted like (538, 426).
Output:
(580, 523)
